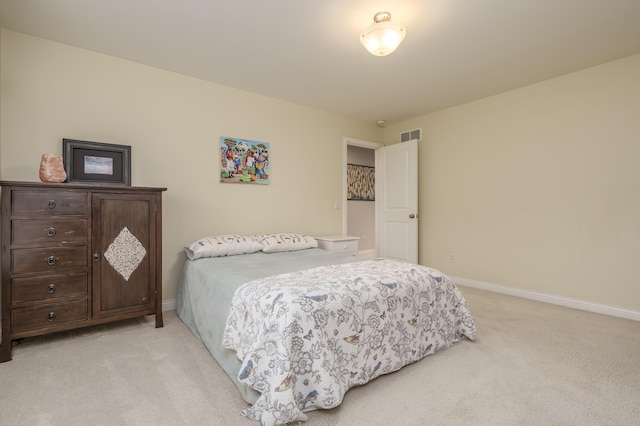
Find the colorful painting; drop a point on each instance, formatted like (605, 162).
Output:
(244, 161)
(361, 182)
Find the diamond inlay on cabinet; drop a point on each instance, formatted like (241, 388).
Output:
(125, 253)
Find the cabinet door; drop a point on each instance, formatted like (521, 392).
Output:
(124, 253)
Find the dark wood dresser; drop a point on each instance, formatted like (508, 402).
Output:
(78, 255)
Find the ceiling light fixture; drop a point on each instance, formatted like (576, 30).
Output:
(383, 37)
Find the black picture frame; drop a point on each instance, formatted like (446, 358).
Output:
(96, 162)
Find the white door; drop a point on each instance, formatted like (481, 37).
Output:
(397, 201)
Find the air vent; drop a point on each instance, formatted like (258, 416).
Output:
(411, 135)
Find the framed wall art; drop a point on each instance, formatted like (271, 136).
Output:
(96, 163)
(244, 161)
(361, 182)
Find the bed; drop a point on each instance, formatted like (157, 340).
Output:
(295, 330)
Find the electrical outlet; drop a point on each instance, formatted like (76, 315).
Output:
(452, 258)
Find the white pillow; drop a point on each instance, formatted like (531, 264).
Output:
(273, 243)
(222, 245)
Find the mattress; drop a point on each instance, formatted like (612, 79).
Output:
(295, 330)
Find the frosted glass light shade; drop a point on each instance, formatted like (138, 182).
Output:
(383, 37)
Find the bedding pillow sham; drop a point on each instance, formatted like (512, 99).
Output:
(273, 243)
(222, 245)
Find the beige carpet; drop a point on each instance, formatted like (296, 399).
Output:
(532, 364)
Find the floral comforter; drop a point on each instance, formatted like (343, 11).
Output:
(304, 338)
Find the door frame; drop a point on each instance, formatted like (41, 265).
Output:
(346, 141)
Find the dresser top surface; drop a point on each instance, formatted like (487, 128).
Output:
(336, 238)
(100, 187)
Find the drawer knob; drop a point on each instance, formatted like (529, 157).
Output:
(51, 232)
(51, 289)
(51, 204)
(51, 316)
(51, 260)
(96, 257)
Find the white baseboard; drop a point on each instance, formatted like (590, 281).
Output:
(169, 305)
(369, 254)
(548, 298)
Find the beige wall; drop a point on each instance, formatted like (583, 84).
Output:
(535, 189)
(52, 91)
(538, 188)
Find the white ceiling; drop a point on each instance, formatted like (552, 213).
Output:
(308, 51)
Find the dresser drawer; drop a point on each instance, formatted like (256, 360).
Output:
(339, 244)
(48, 287)
(47, 259)
(25, 231)
(47, 316)
(53, 202)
